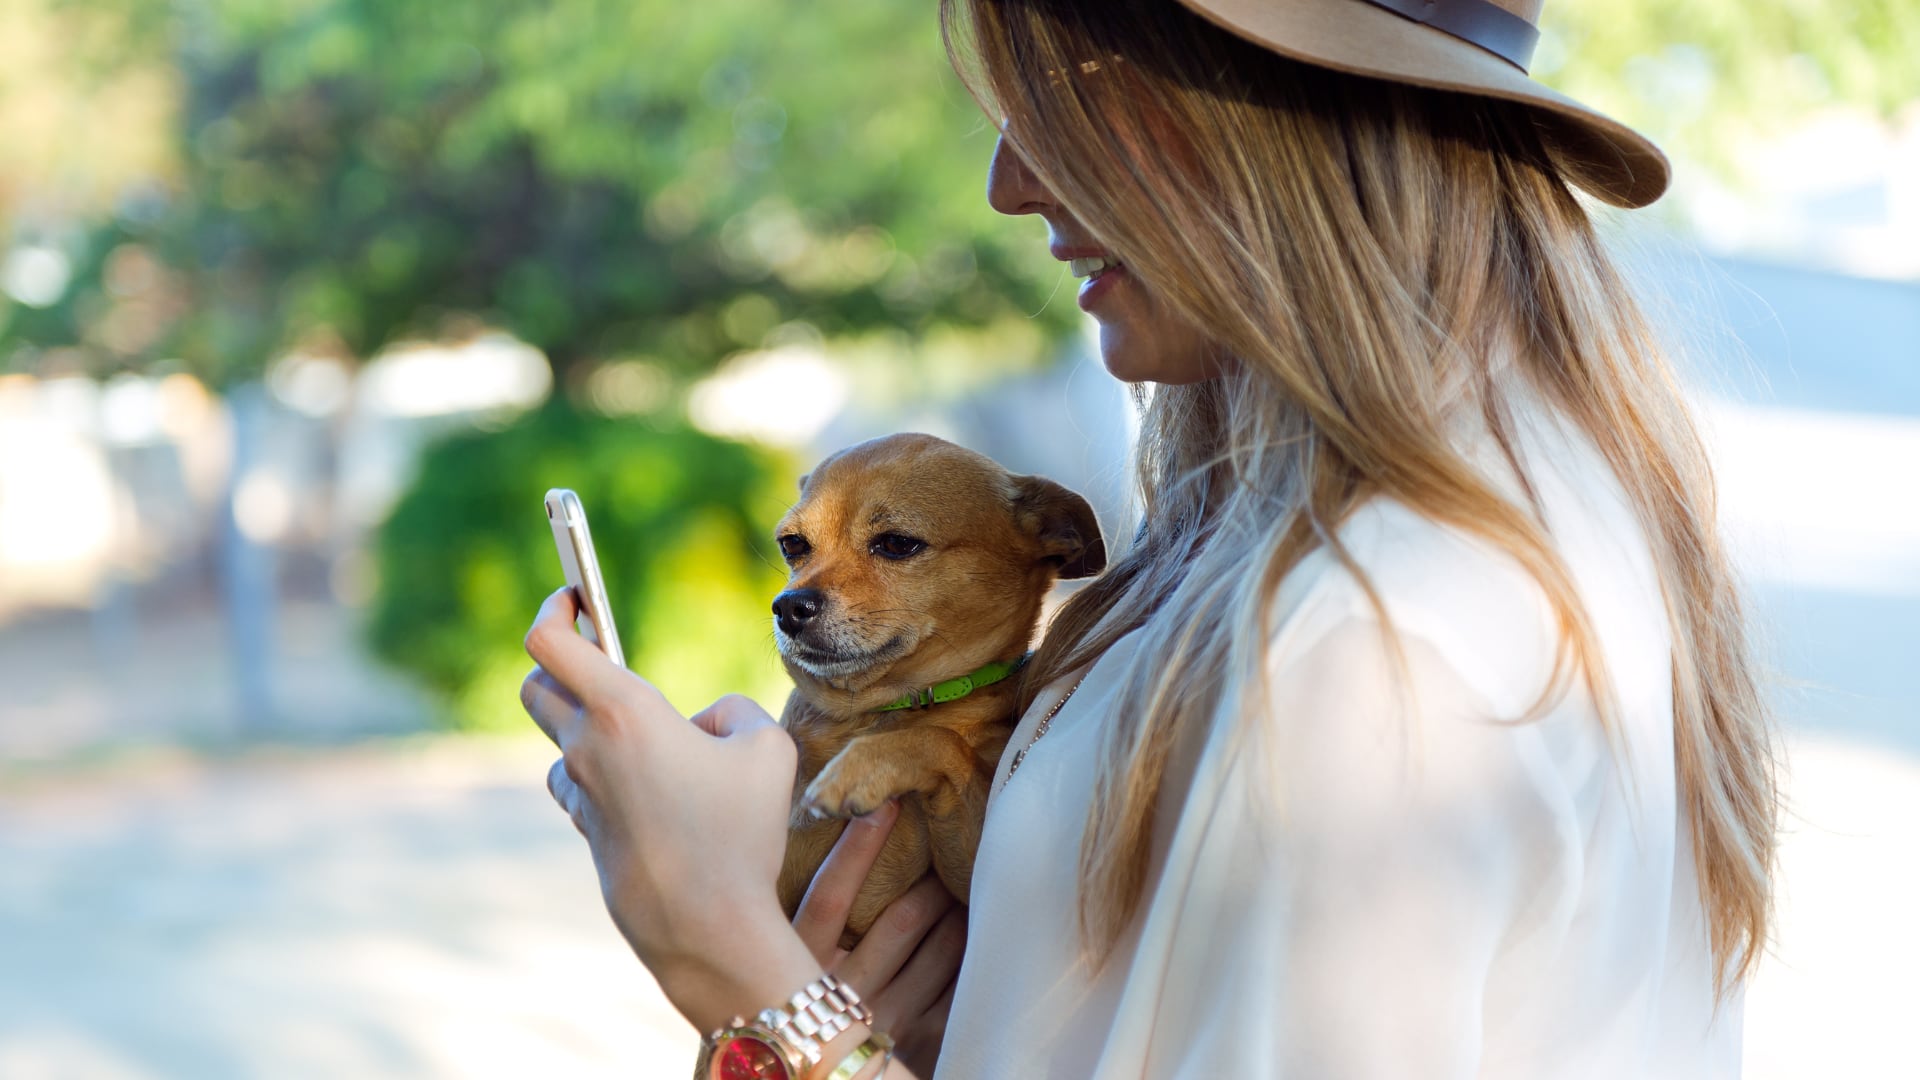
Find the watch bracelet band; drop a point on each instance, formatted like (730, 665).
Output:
(820, 1011)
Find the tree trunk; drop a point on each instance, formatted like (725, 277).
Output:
(248, 570)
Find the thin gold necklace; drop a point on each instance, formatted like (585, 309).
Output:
(1041, 728)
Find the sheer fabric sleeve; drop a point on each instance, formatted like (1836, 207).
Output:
(1343, 879)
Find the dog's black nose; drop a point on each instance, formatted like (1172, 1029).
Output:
(795, 608)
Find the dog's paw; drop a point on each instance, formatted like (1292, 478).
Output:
(842, 793)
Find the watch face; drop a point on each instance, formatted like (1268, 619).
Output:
(746, 1057)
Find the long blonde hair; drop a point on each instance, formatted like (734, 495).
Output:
(1359, 249)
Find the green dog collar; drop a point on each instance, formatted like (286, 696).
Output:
(955, 689)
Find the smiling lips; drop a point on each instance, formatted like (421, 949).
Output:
(1093, 265)
(1099, 284)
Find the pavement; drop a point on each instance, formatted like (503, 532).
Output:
(412, 907)
(1836, 995)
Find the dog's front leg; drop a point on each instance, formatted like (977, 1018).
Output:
(954, 839)
(935, 762)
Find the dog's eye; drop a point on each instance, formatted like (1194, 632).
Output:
(895, 546)
(793, 546)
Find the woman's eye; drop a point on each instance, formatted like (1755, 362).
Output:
(895, 546)
(793, 547)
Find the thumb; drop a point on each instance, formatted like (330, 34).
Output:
(735, 714)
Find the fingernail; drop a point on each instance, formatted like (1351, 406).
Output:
(881, 814)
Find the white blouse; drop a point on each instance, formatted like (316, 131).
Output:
(1378, 892)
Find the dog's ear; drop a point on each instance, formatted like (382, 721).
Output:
(1063, 523)
(802, 485)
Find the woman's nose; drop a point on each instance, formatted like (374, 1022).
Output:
(1011, 186)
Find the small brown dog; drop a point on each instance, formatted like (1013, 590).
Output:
(915, 563)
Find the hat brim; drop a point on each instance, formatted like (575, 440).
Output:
(1610, 160)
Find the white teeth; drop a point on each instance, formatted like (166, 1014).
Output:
(1091, 266)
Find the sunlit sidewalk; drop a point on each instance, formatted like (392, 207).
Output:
(1836, 996)
(414, 910)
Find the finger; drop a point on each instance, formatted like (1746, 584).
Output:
(884, 950)
(918, 1046)
(928, 973)
(567, 793)
(553, 710)
(735, 714)
(942, 1006)
(822, 914)
(574, 662)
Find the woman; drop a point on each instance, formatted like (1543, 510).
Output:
(1417, 733)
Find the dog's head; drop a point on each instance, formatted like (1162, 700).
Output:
(914, 560)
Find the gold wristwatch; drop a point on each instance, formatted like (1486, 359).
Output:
(783, 1044)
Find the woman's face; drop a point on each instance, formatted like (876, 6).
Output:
(1140, 340)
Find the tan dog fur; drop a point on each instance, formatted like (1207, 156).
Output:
(995, 542)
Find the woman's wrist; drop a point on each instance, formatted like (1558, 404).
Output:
(755, 962)
(756, 966)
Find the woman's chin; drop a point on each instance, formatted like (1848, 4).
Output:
(1132, 360)
(1122, 359)
(1140, 341)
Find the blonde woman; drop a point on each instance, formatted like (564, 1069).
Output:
(1416, 734)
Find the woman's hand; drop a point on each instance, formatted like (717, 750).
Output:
(687, 822)
(906, 965)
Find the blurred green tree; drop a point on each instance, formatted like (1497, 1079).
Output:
(602, 179)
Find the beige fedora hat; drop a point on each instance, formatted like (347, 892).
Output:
(1474, 46)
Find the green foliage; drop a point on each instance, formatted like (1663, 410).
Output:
(603, 179)
(681, 522)
(1703, 75)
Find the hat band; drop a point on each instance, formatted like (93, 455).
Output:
(1493, 28)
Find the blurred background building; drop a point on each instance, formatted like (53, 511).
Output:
(303, 305)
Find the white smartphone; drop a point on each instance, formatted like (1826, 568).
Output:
(575, 544)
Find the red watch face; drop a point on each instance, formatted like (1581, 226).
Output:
(743, 1057)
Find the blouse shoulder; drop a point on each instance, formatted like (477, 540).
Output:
(1468, 602)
